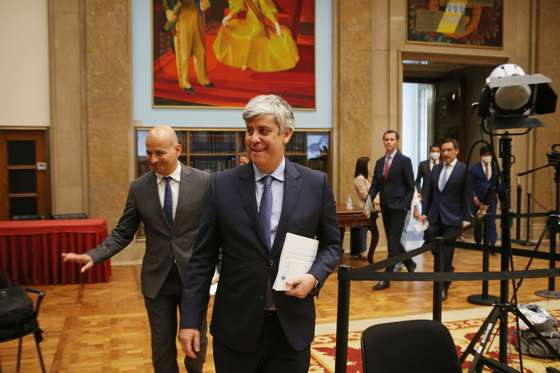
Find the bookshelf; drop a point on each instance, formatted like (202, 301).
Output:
(217, 150)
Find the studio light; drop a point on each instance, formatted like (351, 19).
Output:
(511, 99)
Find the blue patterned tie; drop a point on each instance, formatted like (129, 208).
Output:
(265, 209)
(168, 200)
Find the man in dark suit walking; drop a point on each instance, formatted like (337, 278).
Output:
(445, 204)
(485, 184)
(250, 210)
(394, 181)
(425, 170)
(169, 201)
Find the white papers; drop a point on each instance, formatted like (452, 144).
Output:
(214, 283)
(421, 227)
(298, 254)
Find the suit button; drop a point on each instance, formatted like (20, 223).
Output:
(271, 262)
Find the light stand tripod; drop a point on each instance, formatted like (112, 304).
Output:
(503, 308)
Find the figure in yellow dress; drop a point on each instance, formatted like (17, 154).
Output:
(184, 19)
(257, 41)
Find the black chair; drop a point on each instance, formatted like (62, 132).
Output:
(420, 346)
(20, 322)
(409, 346)
(76, 215)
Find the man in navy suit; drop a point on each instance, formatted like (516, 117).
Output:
(394, 181)
(485, 183)
(425, 170)
(445, 205)
(250, 210)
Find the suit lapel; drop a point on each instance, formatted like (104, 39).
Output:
(393, 165)
(427, 170)
(452, 175)
(437, 175)
(246, 187)
(184, 187)
(292, 186)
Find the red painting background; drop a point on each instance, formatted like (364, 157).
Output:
(233, 86)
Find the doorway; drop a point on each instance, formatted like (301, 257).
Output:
(24, 184)
(418, 120)
(437, 93)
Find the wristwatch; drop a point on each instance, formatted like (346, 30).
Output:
(313, 292)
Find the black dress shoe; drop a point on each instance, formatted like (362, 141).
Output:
(209, 85)
(189, 90)
(358, 257)
(444, 294)
(381, 285)
(412, 266)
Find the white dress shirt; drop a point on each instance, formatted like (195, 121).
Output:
(433, 163)
(487, 170)
(175, 180)
(450, 166)
(390, 158)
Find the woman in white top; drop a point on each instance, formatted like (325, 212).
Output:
(358, 236)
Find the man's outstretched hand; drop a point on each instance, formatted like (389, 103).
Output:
(78, 258)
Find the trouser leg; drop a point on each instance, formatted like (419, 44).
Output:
(394, 225)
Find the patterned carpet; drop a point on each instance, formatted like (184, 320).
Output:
(462, 324)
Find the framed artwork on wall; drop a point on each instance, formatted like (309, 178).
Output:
(472, 23)
(221, 53)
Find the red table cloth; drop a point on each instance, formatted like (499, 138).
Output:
(30, 250)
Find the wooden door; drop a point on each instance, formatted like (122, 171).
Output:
(24, 182)
(449, 111)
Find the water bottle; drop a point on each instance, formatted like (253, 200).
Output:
(349, 202)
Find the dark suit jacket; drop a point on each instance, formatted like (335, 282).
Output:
(483, 188)
(448, 207)
(423, 177)
(397, 190)
(164, 243)
(230, 221)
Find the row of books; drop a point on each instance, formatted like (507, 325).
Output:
(219, 164)
(298, 143)
(213, 165)
(213, 142)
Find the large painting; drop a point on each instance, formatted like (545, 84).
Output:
(476, 23)
(220, 53)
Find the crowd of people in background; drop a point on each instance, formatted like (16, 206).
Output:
(436, 203)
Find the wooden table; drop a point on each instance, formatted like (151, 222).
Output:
(30, 250)
(357, 218)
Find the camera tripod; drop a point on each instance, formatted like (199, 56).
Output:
(503, 308)
(484, 334)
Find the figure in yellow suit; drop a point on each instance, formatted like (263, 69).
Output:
(184, 19)
(257, 41)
